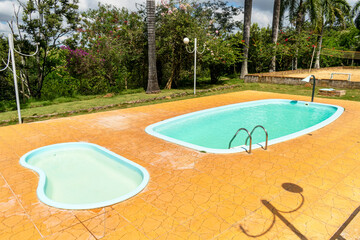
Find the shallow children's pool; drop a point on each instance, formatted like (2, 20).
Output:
(84, 175)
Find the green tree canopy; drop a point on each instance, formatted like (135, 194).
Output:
(44, 22)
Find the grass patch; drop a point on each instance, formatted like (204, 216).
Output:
(60, 107)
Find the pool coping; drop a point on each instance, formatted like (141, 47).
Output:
(42, 178)
(150, 129)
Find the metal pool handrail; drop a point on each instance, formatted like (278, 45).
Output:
(247, 138)
(266, 133)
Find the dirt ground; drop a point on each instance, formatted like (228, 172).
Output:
(326, 73)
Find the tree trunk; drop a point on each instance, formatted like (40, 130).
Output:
(318, 53)
(215, 73)
(175, 72)
(153, 86)
(246, 36)
(296, 59)
(275, 32)
(298, 25)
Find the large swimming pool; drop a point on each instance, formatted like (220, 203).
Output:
(212, 129)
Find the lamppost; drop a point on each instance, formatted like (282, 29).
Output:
(11, 55)
(195, 51)
(307, 79)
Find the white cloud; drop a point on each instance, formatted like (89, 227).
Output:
(352, 2)
(263, 18)
(6, 10)
(7, 14)
(83, 5)
(4, 27)
(129, 4)
(262, 9)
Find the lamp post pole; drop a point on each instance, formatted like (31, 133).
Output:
(11, 46)
(12, 55)
(195, 51)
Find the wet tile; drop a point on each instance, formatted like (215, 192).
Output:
(14, 222)
(50, 220)
(105, 223)
(75, 232)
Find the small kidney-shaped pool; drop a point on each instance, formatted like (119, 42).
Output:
(211, 130)
(84, 175)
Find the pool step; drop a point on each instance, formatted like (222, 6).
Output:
(250, 137)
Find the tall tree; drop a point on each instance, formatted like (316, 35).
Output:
(153, 86)
(177, 21)
(275, 31)
(246, 36)
(44, 22)
(330, 11)
(297, 10)
(355, 13)
(209, 21)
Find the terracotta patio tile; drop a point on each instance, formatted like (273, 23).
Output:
(312, 228)
(180, 206)
(207, 225)
(75, 232)
(192, 195)
(180, 233)
(105, 223)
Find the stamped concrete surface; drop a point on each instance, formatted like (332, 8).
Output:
(305, 188)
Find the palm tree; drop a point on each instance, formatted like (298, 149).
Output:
(297, 10)
(153, 86)
(275, 31)
(296, 17)
(246, 36)
(355, 13)
(329, 11)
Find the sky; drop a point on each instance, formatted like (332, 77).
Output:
(261, 14)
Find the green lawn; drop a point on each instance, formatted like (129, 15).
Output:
(39, 110)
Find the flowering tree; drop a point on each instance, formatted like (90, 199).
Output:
(114, 42)
(44, 22)
(209, 22)
(219, 55)
(86, 68)
(175, 22)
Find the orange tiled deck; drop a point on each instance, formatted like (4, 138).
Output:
(193, 195)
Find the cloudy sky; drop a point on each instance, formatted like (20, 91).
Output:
(262, 9)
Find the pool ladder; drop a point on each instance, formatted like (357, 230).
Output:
(249, 137)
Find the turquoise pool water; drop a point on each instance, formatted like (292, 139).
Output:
(84, 175)
(211, 130)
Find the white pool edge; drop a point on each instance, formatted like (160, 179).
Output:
(40, 191)
(150, 129)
